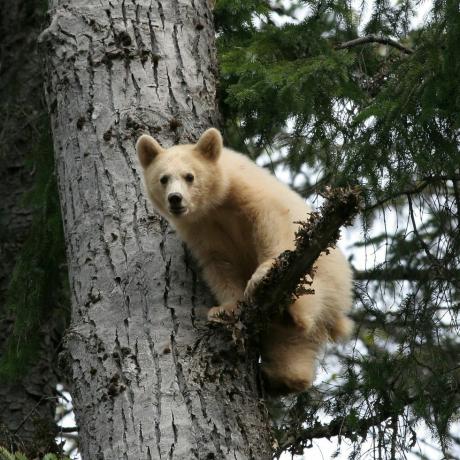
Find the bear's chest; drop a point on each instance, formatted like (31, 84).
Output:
(234, 234)
(227, 238)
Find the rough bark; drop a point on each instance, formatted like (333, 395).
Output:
(150, 379)
(27, 406)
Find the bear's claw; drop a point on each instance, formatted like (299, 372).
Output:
(224, 314)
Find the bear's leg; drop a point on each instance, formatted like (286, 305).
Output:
(341, 328)
(309, 311)
(256, 277)
(288, 359)
(228, 288)
(317, 316)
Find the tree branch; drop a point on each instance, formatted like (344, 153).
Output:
(414, 189)
(340, 426)
(402, 274)
(68, 429)
(293, 269)
(347, 426)
(374, 39)
(422, 242)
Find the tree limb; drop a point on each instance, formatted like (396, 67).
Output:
(413, 189)
(402, 274)
(372, 38)
(68, 429)
(291, 269)
(347, 426)
(339, 426)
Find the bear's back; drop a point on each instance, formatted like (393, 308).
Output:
(260, 185)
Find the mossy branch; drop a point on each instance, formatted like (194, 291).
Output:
(293, 270)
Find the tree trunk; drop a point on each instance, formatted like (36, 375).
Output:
(27, 406)
(150, 378)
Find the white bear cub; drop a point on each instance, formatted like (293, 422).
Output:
(236, 218)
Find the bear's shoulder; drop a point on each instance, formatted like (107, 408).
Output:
(256, 182)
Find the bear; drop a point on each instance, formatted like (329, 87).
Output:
(236, 218)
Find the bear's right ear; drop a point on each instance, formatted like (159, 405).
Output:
(147, 149)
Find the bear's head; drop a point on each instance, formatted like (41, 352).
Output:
(185, 181)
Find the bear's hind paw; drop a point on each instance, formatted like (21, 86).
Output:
(280, 385)
(341, 329)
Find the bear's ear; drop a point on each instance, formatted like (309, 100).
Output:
(210, 144)
(147, 149)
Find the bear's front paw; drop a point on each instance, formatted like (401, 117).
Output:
(256, 278)
(225, 313)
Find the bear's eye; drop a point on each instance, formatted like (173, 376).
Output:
(189, 177)
(164, 179)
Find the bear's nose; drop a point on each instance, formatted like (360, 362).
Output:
(174, 199)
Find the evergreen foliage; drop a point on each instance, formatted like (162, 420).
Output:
(385, 117)
(8, 455)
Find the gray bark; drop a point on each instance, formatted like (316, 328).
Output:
(27, 406)
(150, 379)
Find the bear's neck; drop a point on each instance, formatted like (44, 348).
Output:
(231, 211)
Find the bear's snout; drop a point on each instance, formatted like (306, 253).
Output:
(175, 199)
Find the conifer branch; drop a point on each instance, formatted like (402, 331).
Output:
(402, 274)
(291, 270)
(349, 427)
(372, 38)
(337, 427)
(414, 189)
(421, 241)
(68, 429)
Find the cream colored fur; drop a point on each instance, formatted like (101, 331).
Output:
(237, 218)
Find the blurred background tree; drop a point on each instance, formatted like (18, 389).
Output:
(33, 305)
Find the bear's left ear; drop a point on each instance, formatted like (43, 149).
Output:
(210, 144)
(147, 149)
